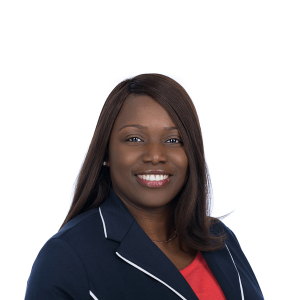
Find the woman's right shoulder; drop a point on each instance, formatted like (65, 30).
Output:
(59, 269)
(82, 232)
(78, 222)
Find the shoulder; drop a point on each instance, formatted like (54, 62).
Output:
(57, 271)
(59, 268)
(77, 224)
(82, 235)
(84, 228)
(219, 228)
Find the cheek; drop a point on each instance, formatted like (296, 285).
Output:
(122, 159)
(121, 168)
(181, 160)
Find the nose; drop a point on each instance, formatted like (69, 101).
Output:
(154, 153)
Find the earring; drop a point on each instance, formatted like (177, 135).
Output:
(104, 163)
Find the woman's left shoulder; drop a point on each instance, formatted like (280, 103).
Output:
(218, 227)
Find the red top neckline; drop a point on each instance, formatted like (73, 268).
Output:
(201, 279)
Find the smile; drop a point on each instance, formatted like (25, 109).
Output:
(153, 181)
(154, 177)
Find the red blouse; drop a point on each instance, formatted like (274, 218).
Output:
(201, 279)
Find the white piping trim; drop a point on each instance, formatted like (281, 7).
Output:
(139, 268)
(104, 227)
(241, 286)
(93, 296)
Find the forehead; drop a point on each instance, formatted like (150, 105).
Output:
(143, 110)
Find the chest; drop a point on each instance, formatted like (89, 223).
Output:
(179, 257)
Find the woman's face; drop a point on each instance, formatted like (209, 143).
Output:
(144, 140)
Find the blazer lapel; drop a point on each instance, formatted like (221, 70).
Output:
(222, 267)
(138, 250)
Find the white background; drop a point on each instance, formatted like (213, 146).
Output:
(239, 62)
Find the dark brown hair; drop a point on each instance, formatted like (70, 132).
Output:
(191, 208)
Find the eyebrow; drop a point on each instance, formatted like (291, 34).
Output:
(145, 127)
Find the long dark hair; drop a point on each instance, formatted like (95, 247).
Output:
(191, 208)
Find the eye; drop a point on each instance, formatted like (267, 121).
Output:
(133, 139)
(174, 141)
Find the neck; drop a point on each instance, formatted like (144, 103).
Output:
(156, 224)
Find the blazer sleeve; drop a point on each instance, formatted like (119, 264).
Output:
(57, 273)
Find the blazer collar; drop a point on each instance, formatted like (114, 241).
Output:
(137, 249)
(116, 218)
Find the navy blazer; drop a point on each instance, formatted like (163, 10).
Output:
(104, 254)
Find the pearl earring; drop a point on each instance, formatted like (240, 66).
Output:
(104, 163)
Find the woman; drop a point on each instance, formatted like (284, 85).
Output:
(139, 224)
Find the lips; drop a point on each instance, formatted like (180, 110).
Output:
(153, 183)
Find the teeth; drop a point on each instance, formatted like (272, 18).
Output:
(153, 177)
